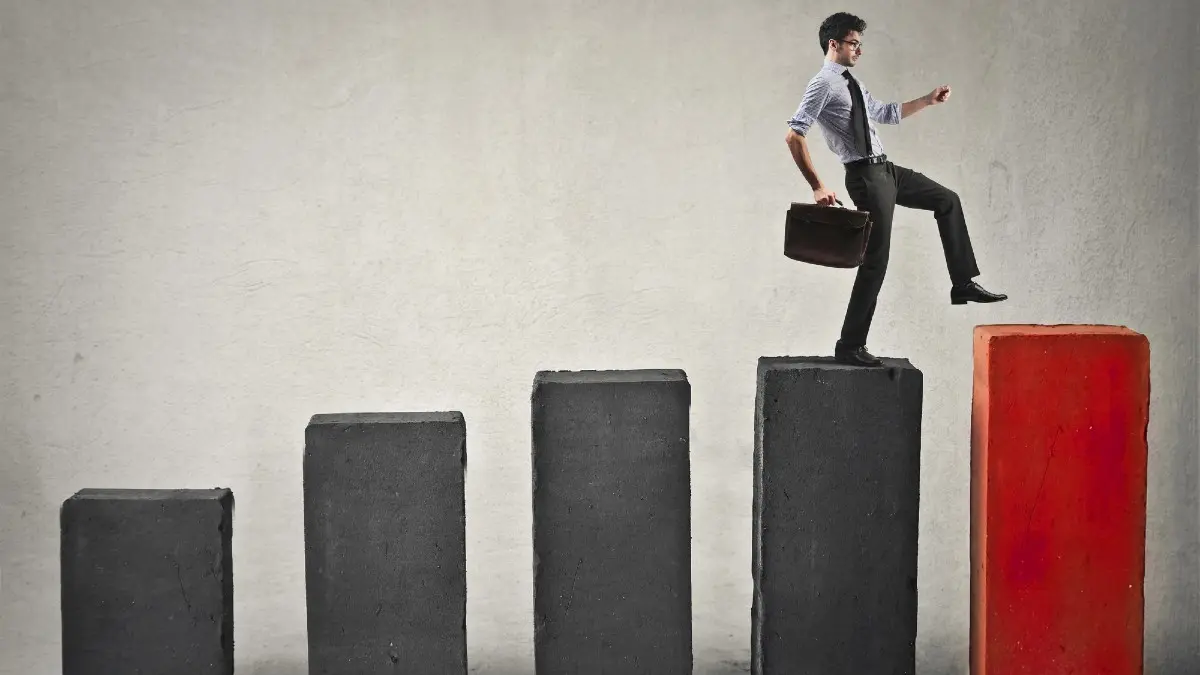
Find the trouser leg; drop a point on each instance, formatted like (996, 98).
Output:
(873, 189)
(916, 190)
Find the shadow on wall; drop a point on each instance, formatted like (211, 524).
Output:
(1181, 650)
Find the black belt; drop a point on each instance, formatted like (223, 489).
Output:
(878, 159)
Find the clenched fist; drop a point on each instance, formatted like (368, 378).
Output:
(939, 95)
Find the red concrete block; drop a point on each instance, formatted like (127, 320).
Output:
(1058, 500)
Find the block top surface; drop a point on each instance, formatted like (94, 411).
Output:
(149, 495)
(609, 376)
(1038, 330)
(445, 417)
(824, 363)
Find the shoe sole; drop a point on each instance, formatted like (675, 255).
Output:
(858, 365)
(982, 302)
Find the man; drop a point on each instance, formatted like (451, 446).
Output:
(844, 109)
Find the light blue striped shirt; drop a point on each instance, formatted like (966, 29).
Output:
(827, 102)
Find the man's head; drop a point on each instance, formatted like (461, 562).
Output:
(841, 38)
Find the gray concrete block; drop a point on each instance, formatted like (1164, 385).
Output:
(147, 582)
(612, 522)
(385, 543)
(836, 493)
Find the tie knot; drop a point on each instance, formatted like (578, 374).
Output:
(846, 74)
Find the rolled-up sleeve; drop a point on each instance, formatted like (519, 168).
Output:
(816, 95)
(883, 113)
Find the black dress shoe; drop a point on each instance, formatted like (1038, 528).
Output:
(856, 356)
(973, 292)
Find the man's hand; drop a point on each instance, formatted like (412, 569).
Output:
(938, 95)
(824, 197)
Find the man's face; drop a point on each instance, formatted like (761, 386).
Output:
(849, 49)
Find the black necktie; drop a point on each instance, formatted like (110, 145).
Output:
(858, 117)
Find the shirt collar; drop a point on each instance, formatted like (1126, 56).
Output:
(836, 68)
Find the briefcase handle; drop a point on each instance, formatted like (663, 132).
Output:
(839, 203)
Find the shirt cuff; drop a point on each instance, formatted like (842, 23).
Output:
(800, 126)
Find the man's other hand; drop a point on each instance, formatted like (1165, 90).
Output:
(939, 95)
(824, 197)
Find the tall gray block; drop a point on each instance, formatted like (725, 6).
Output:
(147, 582)
(836, 492)
(612, 522)
(385, 543)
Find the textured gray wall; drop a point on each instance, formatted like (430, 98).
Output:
(219, 218)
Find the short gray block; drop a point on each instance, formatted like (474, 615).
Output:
(147, 582)
(612, 522)
(385, 543)
(836, 495)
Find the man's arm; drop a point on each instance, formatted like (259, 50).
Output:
(816, 95)
(882, 113)
(799, 147)
(916, 105)
(892, 113)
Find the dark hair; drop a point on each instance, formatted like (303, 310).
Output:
(838, 26)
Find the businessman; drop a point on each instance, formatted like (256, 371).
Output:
(844, 109)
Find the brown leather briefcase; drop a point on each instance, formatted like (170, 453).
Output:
(831, 236)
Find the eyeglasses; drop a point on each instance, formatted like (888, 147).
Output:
(854, 44)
